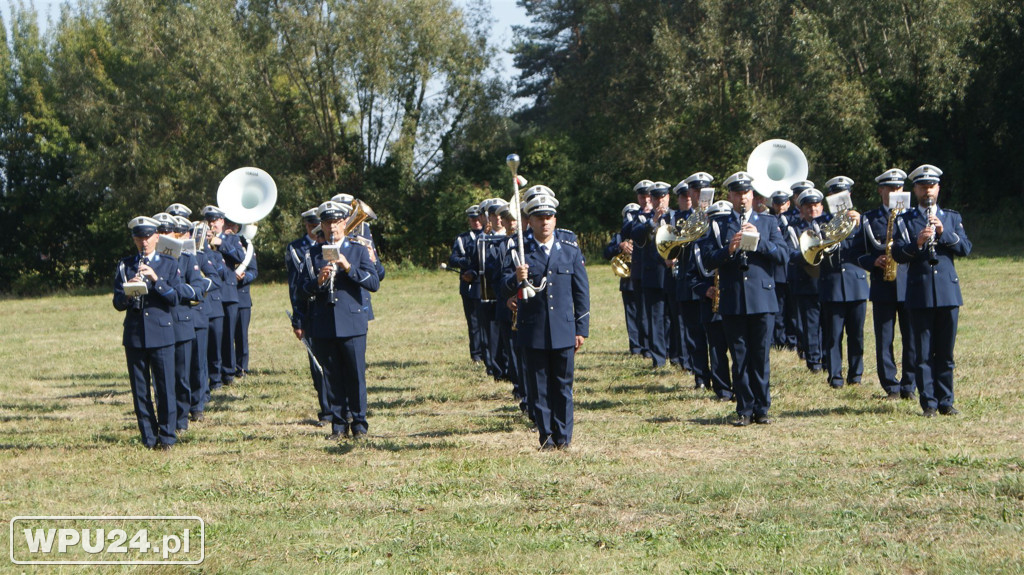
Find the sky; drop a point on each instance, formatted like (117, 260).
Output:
(504, 12)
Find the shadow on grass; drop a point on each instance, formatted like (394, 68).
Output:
(390, 364)
(396, 403)
(118, 377)
(839, 410)
(376, 444)
(641, 388)
(600, 404)
(34, 407)
(96, 394)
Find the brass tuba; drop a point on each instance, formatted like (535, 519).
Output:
(670, 240)
(814, 248)
(622, 265)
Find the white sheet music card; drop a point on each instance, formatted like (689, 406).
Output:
(707, 196)
(839, 202)
(133, 289)
(749, 240)
(168, 246)
(188, 246)
(899, 201)
(332, 252)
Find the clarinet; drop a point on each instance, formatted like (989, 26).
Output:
(930, 211)
(744, 264)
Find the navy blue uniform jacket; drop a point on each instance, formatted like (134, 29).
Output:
(149, 320)
(341, 313)
(931, 286)
(749, 291)
(556, 315)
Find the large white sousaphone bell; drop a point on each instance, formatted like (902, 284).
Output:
(776, 165)
(246, 196)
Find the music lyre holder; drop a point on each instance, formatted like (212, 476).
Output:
(526, 289)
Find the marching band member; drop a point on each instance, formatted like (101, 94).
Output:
(643, 199)
(338, 319)
(148, 337)
(803, 278)
(462, 258)
(747, 295)
(653, 271)
(704, 284)
(785, 332)
(843, 293)
(199, 387)
(928, 240)
(678, 350)
(693, 334)
(364, 235)
(619, 245)
(229, 253)
(245, 274)
(189, 289)
(888, 297)
(295, 254)
(552, 324)
(508, 359)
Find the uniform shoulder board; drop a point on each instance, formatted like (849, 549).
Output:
(571, 242)
(951, 211)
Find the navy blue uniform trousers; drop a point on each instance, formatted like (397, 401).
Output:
(552, 372)
(153, 366)
(750, 340)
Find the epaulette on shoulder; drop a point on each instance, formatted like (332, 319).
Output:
(564, 233)
(951, 211)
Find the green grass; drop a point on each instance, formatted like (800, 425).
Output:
(450, 479)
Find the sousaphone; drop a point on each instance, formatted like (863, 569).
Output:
(246, 196)
(776, 165)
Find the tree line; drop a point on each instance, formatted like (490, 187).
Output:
(125, 106)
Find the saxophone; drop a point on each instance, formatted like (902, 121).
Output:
(714, 302)
(890, 264)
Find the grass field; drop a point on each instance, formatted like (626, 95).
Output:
(451, 481)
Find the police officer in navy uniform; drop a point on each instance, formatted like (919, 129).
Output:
(888, 297)
(785, 331)
(462, 258)
(295, 254)
(688, 294)
(189, 289)
(199, 387)
(631, 219)
(229, 246)
(928, 240)
(246, 273)
(843, 293)
(703, 281)
(362, 234)
(616, 246)
(338, 318)
(149, 333)
(747, 299)
(654, 271)
(803, 278)
(552, 324)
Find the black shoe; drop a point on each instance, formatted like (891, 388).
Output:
(358, 434)
(241, 373)
(334, 436)
(192, 416)
(741, 421)
(814, 368)
(856, 382)
(548, 446)
(722, 398)
(836, 384)
(949, 410)
(229, 381)
(762, 419)
(908, 395)
(562, 446)
(892, 396)
(163, 446)
(928, 413)
(322, 423)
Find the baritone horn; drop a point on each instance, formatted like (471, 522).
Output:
(361, 212)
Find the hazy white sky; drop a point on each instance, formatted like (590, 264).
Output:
(504, 12)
